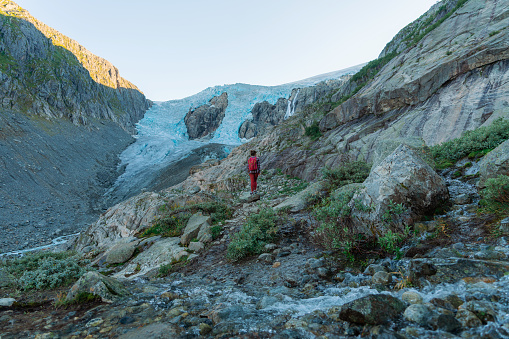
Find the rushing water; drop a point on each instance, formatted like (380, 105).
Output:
(55, 242)
(248, 310)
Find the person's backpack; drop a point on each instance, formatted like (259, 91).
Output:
(252, 164)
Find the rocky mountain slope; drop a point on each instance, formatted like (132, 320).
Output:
(48, 74)
(362, 229)
(451, 81)
(65, 115)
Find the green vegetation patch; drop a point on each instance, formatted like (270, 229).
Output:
(45, 270)
(173, 222)
(6, 61)
(348, 173)
(174, 266)
(259, 229)
(495, 196)
(313, 131)
(473, 144)
(335, 231)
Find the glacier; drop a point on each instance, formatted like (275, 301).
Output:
(162, 137)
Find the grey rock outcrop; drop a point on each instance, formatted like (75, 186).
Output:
(122, 251)
(402, 178)
(494, 163)
(265, 116)
(204, 120)
(385, 147)
(122, 221)
(303, 97)
(302, 200)
(162, 252)
(198, 224)
(444, 55)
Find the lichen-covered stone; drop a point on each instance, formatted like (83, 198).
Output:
(412, 297)
(95, 283)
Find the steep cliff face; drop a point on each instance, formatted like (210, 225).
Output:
(44, 72)
(472, 38)
(453, 80)
(65, 116)
(205, 119)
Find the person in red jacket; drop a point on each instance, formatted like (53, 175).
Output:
(253, 168)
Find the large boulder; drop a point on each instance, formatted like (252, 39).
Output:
(264, 116)
(401, 179)
(198, 224)
(372, 309)
(109, 289)
(122, 251)
(494, 163)
(122, 221)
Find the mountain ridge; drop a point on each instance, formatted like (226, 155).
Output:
(49, 74)
(65, 116)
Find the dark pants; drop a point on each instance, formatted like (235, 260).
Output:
(254, 177)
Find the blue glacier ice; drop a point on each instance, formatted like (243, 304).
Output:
(162, 135)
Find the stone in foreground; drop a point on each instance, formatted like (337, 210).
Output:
(95, 283)
(195, 224)
(373, 309)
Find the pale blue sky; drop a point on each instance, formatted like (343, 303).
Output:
(173, 49)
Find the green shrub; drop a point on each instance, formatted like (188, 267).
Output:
(258, 230)
(81, 298)
(456, 174)
(165, 270)
(349, 173)
(495, 196)
(215, 231)
(219, 212)
(169, 226)
(313, 131)
(172, 224)
(392, 212)
(46, 270)
(471, 143)
(333, 215)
